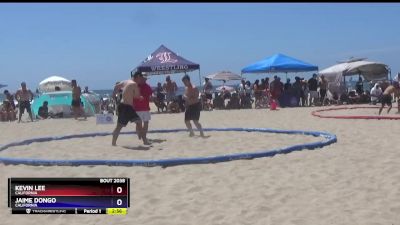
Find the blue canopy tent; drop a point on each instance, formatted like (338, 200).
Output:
(2, 85)
(279, 63)
(165, 61)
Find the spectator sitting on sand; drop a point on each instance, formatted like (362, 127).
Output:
(173, 107)
(10, 98)
(43, 112)
(7, 113)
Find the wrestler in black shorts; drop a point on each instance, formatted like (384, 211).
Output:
(193, 112)
(386, 99)
(126, 114)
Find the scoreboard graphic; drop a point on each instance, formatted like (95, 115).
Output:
(69, 195)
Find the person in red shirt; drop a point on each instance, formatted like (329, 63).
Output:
(142, 108)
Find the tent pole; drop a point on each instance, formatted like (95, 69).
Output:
(200, 80)
(390, 74)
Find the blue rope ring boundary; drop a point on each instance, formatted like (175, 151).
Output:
(328, 139)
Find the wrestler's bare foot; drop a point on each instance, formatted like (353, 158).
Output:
(191, 134)
(113, 144)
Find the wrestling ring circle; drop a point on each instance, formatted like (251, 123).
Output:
(317, 113)
(328, 139)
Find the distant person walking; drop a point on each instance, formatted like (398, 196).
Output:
(170, 88)
(24, 96)
(77, 105)
(193, 106)
(323, 87)
(313, 89)
(208, 89)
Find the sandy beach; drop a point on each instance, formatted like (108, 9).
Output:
(354, 181)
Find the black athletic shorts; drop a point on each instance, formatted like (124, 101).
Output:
(25, 105)
(76, 103)
(386, 99)
(193, 112)
(126, 114)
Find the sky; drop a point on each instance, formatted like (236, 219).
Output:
(100, 43)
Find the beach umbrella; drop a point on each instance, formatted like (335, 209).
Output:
(224, 76)
(229, 88)
(49, 84)
(60, 102)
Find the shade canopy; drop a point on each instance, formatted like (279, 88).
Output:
(2, 85)
(165, 61)
(369, 70)
(279, 63)
(60, 102)
(224, 76)
(49, 84)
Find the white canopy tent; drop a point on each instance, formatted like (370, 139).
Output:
(371, 71)
(49, 84)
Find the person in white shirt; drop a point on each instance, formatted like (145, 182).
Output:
(208, 88)
(376, 92)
